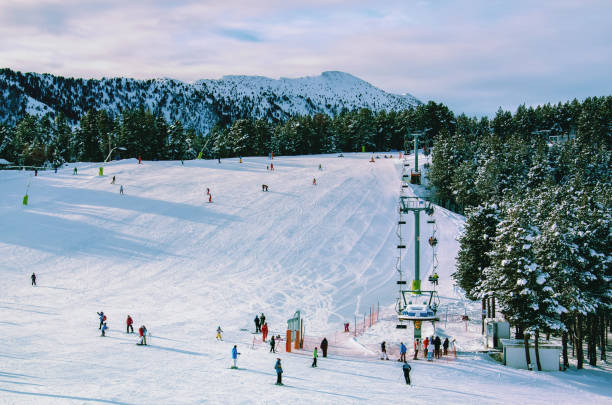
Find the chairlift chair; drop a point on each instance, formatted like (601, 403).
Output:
(425, 311)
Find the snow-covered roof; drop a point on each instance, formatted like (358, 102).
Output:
(4, 162)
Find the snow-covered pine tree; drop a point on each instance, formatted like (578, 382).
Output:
(524, 289)
(476, 243)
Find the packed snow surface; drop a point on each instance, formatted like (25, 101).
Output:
(183, 266)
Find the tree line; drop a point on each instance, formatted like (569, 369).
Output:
(537, 244)
(45, 140)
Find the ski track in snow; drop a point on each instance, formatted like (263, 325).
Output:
(182, 266)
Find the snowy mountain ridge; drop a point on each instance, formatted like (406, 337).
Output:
(200, 105)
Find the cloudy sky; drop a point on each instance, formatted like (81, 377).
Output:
(472, 55)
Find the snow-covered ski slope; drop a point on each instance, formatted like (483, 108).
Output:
(183, 266)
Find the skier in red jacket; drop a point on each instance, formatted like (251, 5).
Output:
(264, 331)
(129, 323)
(142, 331)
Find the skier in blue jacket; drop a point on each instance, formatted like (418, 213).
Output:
(102, 318)
(403, 350)
(279, 372)
(406, 369)
(104, 328)
(235, 356)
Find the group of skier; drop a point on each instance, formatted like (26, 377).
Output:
(437, 344)
(129, 328)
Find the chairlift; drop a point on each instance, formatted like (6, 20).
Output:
(425, 311)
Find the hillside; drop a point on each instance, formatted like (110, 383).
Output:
(198, 105)
(183, 266)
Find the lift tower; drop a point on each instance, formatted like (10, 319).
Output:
(415, 174)
(407, 311)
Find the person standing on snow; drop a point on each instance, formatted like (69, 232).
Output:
(445, 346)
(279, 371)
(314, 181)
(437, 344)
(324, 347)
(315, 354)
(219, 332)
(129, 323)
(403, 350)
(262, 319)
(257, 327)
(383, 350)
(104, 328)
(113, 181)
(33, 277)
(406, 369)
(235, 356)
(121, 189)
(142, 331)
(417, 345)
(102, 318)
(264, 331)
(425, 344)
(272, 345)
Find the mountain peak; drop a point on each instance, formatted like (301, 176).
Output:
(198, 105)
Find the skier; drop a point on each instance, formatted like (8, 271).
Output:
(314, 181)
(346, 326)
(121, 189)
(262, 319)
(324, 346)
(267, 167)
(219, 160)
(437, 344)
(445, 346)
(417, 344)
(279, 371)
(102, 318)
(235, 356)
(207, 191)
(129, 323)
(315, 354)
(219, 332)
(74, 172)
(383, 349)
(142, 331)
(425, 345)
(271, 167)
(104, 328)
(272, 345)
(257, 327)
(264, 331)
(113, 181)
(403, 350)
(209, 198)
(33, 277)
(320, 167)
(406, 368)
